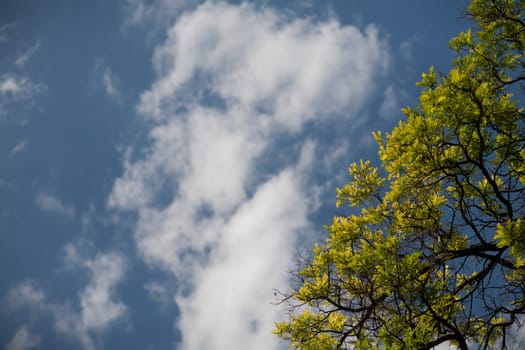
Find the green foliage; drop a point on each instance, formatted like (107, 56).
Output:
(435, 252)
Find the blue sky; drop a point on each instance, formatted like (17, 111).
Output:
(163, 161)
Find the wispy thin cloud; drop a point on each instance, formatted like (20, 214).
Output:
(5, 29)
(406, 48)
(97, 310)
(54, 204)
(24, 340)
(24, 57)
(107, 80)
(16, 90)
(19, 147)
(390, 107)
(155, 12)
(110, 85)
(162, 293)
(26, 294)
(27, 297)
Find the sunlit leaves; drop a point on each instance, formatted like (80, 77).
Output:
(365, 185)
(432, 250)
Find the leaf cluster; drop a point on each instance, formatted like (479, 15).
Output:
(435, 252)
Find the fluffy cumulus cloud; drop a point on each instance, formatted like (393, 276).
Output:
(97, 309)
(289, 70)
(220, 201)
(231, 304)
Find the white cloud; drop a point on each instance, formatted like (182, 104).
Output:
(156, 12)
(19, 147)
(162, 293)
(53, 204)
(76, 253)
(98, 308)
(23, 340)
(16, 87)
(24, 57)
(158, 292)
(110, 85)
(335, 154)
(5, 29)
(231, 305)
(234, 82)
(15, 90)
(390, 106)
(293, 71)
(406, 48)
(105, 79)
(28, 295)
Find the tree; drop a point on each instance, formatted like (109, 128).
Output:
(433, 248)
